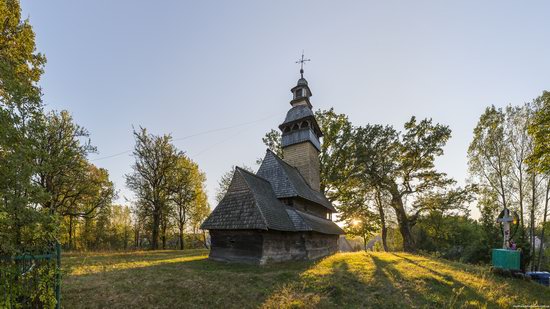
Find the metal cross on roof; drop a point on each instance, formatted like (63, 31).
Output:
(301, 62)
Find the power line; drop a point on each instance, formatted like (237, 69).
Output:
(194, 135)
(218, 143)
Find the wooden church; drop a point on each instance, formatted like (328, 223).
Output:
(279, 213)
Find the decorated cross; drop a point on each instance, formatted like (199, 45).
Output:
(506, 221)
(301, 62)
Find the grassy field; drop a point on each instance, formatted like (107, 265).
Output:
(172, 279)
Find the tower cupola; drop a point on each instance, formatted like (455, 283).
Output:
(301, 92)
(301, 133)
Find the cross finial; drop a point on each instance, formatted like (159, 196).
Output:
(301, 62)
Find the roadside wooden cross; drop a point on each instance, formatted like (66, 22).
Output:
(506, 220)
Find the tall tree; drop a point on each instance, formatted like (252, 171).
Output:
(188, 188)
(21, 66)
(402, 165)
(489, 154)
(155, 158)
(543, 223)
(20, 105)
(539, 129)
(94, 192)
(74, 188)
(539, 159)
(337, 153)
(62, 149)
(520, 143)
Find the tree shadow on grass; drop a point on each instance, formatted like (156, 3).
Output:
(462, 294)
(396, 287)
(320, 287)
(337, 283)
(515, 290)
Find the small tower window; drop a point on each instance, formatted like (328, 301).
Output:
(298, 93)
(286, 130)
(295, 127)
(304, 124)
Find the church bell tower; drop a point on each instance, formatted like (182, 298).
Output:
(301, 133)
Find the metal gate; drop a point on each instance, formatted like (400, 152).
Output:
(28, 280)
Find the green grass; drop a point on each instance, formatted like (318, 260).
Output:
(175, 279)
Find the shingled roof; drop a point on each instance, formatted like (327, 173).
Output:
(287, 181)
(251, 203)
(306, 222)
(299, 113)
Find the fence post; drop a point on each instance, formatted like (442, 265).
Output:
(58, 275)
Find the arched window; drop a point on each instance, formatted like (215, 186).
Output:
(295, 127)
(304, 124)
(286, 129)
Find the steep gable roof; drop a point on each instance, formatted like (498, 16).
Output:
(249, 203)
(287, 181)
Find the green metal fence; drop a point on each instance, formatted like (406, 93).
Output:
(29, 280)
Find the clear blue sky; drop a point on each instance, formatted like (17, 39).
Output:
(185, 67)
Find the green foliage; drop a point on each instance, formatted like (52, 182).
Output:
(155, 158)
(454, 237)
(357, 164)
(539, 129)
(22, 227)
(188, 195)
(489, 154)
(361, 222)
(272, 140)
(401, 166)
(337, 152)
(110, 229)
(169, 188)
(35, 288)
(20, 65)
(504, 144)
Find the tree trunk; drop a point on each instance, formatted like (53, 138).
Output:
(532, 219)
(163, 225)
(181, 238)
(70, 232)
(403, 221)
(546, 201)
(521, 197)
(204, 239)
(382, 220)
(136, 237)
(155, 230)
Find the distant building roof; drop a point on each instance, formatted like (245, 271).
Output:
(287, 181)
